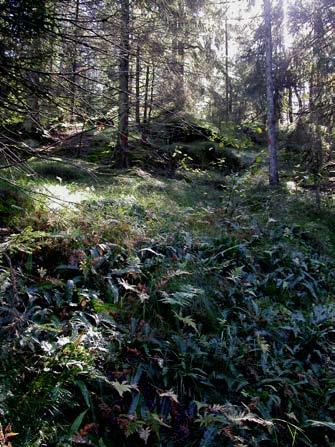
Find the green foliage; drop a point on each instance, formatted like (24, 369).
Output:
(179, 334)
(14, 202)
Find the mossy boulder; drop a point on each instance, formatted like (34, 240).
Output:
(55, 170)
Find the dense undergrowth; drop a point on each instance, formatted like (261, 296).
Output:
(168, 312)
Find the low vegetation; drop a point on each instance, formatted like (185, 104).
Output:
(146, 310)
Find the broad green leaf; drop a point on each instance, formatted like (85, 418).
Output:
(77, 423)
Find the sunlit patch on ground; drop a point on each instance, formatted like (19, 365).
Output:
(61, 196)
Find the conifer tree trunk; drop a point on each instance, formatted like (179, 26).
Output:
(138, 76)
(145, 111)
(74, 66)
(146, 96)
(315, 92)
(32, 121)
(227, 72)
(290, 105)
(124, 82)
(151, 94)
(179, 56)
(272, 135)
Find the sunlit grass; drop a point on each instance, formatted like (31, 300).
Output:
(59, 196)
(127, 207)
(130, 206)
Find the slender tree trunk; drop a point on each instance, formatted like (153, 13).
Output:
(331, 130)
(74, 65)
(131, 79)
(230, 99)
(138, 77)
(315, 84)
(151, 94)
(315, 91)
(290, 105)
(179, 57)
(124, 83)
(145, 111)
(272, 134)
(146, 96)
(227, 72)
(181, 74)
(53, 53)
(311, 92)
(32, 121)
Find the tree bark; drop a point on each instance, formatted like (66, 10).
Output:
(315, 91)
(124, 83)
(137, 93)
(227, 72)
(179, 57)
(74, 65)
(32, 120)
(151, 95)
(146, 96)
(271, 112)
(145, 111)
(290, 105)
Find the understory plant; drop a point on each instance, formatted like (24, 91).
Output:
(168, 342)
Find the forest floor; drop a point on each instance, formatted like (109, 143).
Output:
(194, 310)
